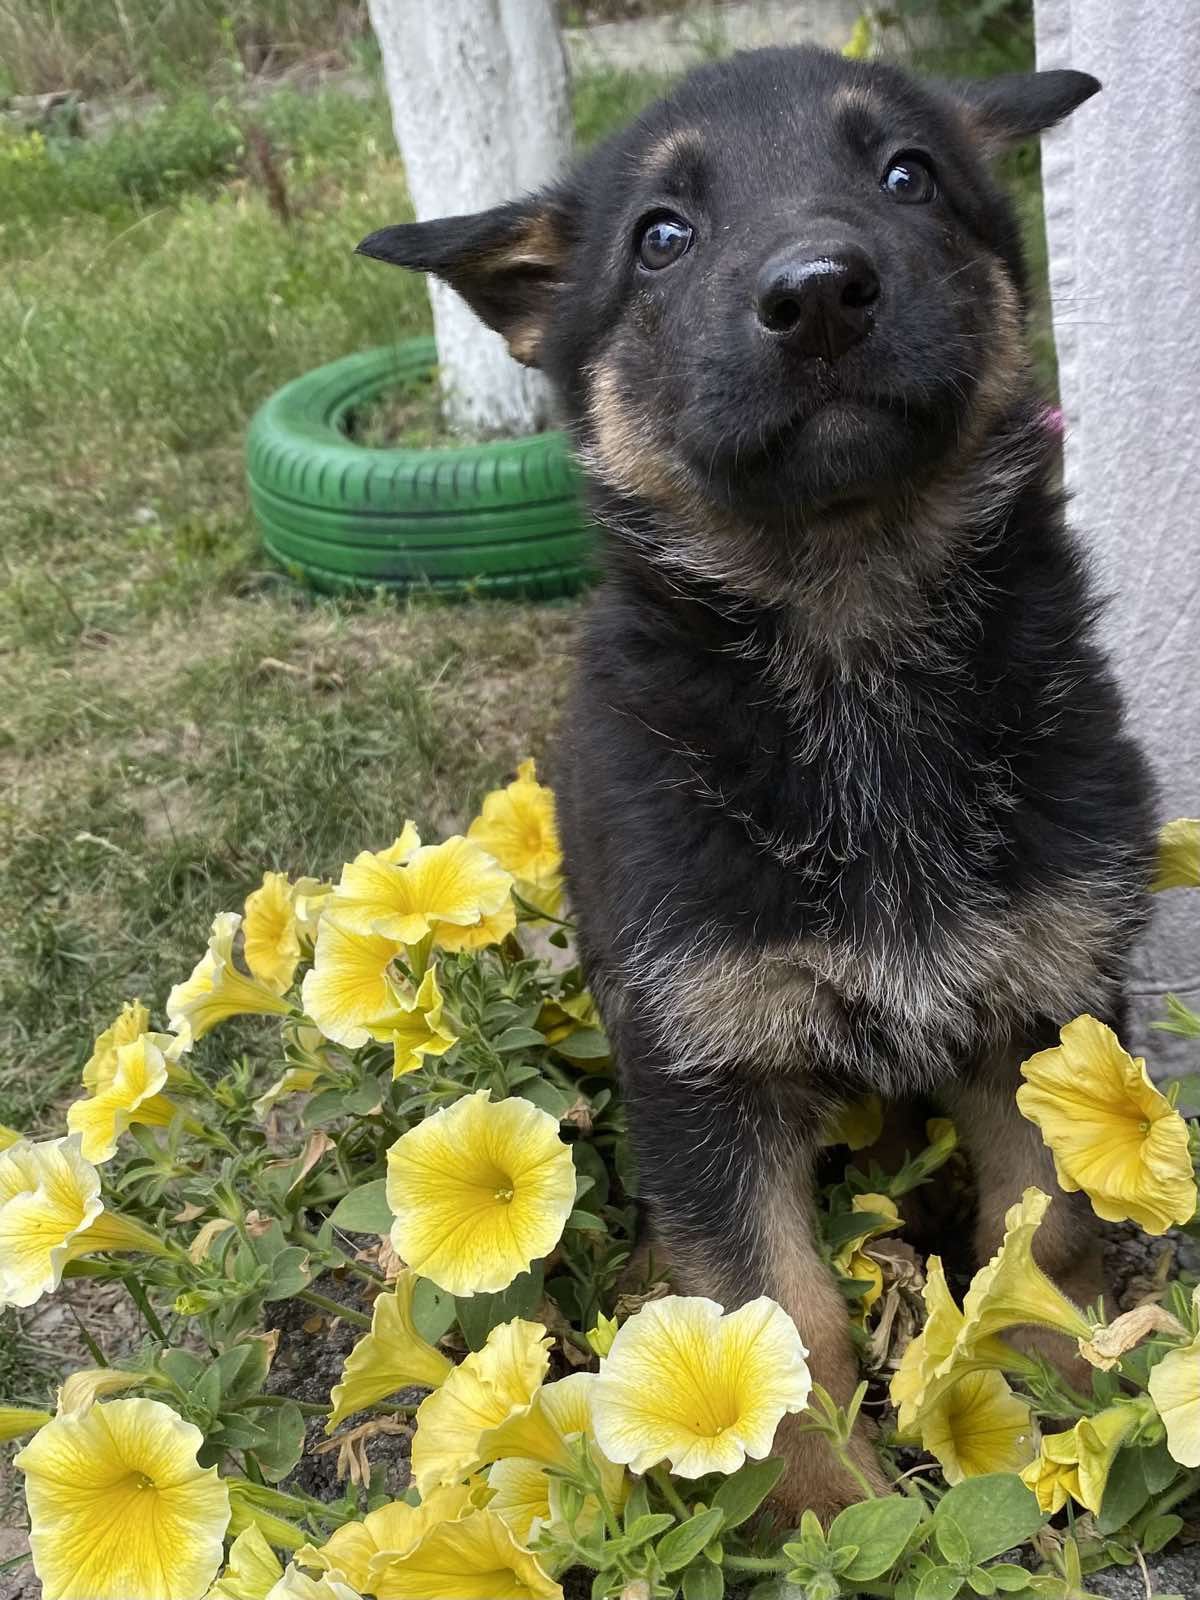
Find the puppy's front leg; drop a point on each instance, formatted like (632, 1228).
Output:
(725, 1168)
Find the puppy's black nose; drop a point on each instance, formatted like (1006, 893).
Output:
(820, 302)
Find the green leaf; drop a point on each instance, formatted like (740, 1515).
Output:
(686, 1541)
(1189, 1093)
(284, 1427)
(1159, 1468)
(952, 1542)
(646, 1527)
(547, 1097)
(939, 1583)
(1159, 1532)
(1125, 1493)
(517, 1039)
(854, 1225)
(180, 1367)
(589, 1163)
(433, 1310)
(478, 1314)
(703, 1582)
(880, 1528)
(638, 1503)
(981, 1581)
(1009, 1579)
(289, 1274)
(741, 1494)
(996, 1512)
(586, 1222)
(585, 1044)
(364, 1210)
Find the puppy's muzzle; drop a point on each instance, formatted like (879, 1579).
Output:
(818, 302)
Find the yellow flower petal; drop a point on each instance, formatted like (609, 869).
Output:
(488, 1389)
(479, 1191)
(418, 1030)
(271, 938)
(453, 882)
(357, 1549)
(475, 1559)
(490, 930)
(119, 1507)
(351, 986)
(252, 1572)
(1012, 1290)
(1175, 1390)
(84, 1388)
(520, 1495)
(1053, 1482)
(217, 990)
(1111, 1132)
(101, 1065)
(518, 826)
(16, 1421)
(1178, 855)
(133, 1093)
(857, 1124)
(390, 1357)
(852, 1261)
(1084, 1454)
(686, 1384)
(296, 1585)
(979, 1426)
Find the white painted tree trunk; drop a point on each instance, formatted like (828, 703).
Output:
(481, 112)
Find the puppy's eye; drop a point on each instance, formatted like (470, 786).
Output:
(909, 179)
(663, 240)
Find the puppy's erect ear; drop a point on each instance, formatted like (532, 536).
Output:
(1016, 105)
(508, 263)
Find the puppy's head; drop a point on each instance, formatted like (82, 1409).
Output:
(787, 291)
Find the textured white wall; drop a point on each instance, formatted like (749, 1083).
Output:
(481, 111)
(1122, 187)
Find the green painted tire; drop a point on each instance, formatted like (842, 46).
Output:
(502, 519)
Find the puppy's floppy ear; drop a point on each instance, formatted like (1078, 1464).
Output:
(507, 263)
(1016, 105)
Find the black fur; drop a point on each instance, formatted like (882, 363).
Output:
(840, 705)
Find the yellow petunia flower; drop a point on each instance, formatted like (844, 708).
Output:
(479, 1191)
(602, 1335)
(1175, 1390)
(853, 1261)
(296, 1080)
(270, 936)
(419, 1030)
(979, 1426)
(475, 1559)
(217, 989)
(1012, 1290)
(524, 1494)
(310, 900)
(352, 987)
(101, 1066)
(934, 1361)
(1111, 1132)
(51, 1213)
(1078, 1462)
(1178, 855)
(390, 1357)
(687, 1384)
(357, 1551)
(17, 1421)
(490, 1389)
(252, 1571)
(118, 1505)
(405, 899)
(518, 826)
(9, 1136)
(133, 1093)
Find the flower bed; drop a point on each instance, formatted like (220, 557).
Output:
(439, 1161)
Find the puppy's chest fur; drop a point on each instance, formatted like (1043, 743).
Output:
(866, 885)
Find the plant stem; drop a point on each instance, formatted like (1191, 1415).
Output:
(843, 1455)
(662, 1481)
(323, 1303)
(757, 1563)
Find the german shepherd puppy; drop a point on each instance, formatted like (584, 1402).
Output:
(845, 793)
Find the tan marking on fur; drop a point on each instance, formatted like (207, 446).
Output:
(539, 244)
(765, 1009)
(674, 148)
(525, 343)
